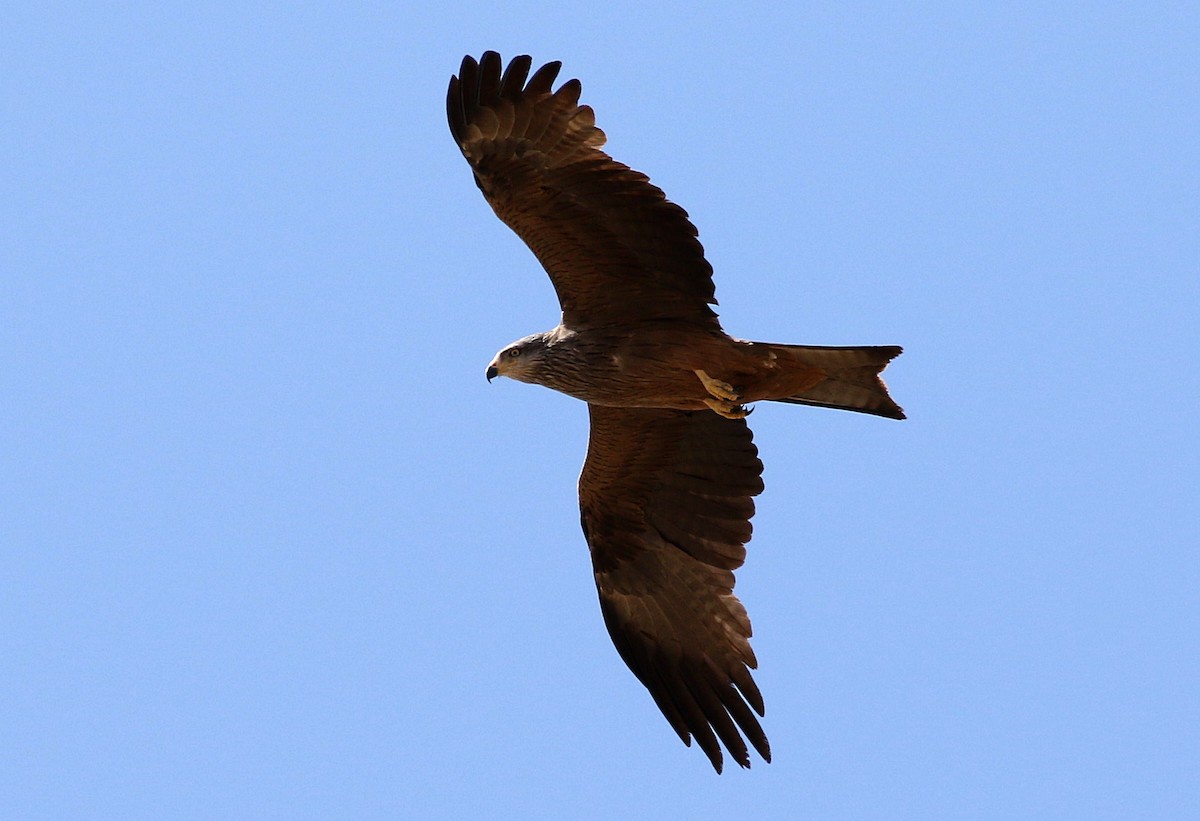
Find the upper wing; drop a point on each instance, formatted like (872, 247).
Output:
(666, 499)
(615, 248)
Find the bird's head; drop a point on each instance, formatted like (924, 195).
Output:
(519, 360)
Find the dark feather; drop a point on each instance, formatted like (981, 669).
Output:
(663, 571)
(537, 159)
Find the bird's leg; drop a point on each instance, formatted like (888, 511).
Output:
(725, 401)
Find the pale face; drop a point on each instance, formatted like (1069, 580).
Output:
(519, 359)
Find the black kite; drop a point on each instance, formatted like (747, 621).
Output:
(667, 489)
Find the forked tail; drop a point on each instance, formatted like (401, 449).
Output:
(851, 378)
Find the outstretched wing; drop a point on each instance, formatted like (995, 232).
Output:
(666, 498)
(615, 248)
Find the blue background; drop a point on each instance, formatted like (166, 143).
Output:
(271, 547)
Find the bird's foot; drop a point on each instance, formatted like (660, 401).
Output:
(726, 400)
(728, 408)
(717, 388)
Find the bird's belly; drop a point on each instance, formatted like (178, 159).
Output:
(643, 370)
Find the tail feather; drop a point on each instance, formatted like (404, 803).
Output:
(851, 381)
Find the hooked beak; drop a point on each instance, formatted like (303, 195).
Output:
(492, 372)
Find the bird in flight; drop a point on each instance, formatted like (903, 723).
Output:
(667, 489)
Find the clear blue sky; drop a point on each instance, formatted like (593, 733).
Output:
(271, 547)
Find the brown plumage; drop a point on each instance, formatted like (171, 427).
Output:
(666, 493)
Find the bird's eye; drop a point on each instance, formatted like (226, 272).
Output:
(513, 353)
